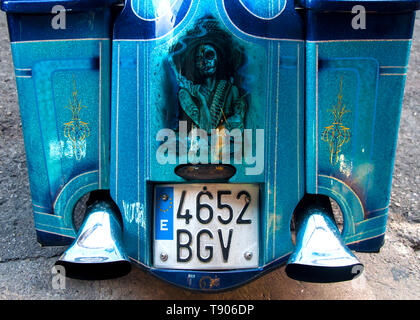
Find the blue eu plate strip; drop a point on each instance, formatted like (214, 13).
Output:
(164, 222)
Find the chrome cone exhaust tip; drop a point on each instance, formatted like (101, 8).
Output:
(320, 254)
(97, 252)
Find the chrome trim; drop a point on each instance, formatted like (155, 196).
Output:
(320, 254)
(97, 253)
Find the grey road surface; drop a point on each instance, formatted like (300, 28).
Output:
(25, 267)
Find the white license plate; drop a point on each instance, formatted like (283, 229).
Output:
(206, 226)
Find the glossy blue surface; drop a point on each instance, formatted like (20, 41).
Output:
(295, 68)
(391, 6)
(87, 24)
(145, 101)
(358, 174)
(45, 6)
(53, 77)
(378, 26)
(214, 281)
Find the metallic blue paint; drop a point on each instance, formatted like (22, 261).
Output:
(89, 24)
(215, 281)
(300, 64)
(370, 5)
(45, 6)
(50, 73)
(130, 25)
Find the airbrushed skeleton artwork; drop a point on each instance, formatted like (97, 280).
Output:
(210, 137)
(208, 95)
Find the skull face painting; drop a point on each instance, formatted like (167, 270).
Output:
(205, 63)
(206, 60)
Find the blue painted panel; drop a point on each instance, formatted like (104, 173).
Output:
(45, 6)
(338, 26)
(145, 101)
(370, 5)
(164, 228)
(131, 25)
(214, 281)
(342, 106)
(93, 24)
(352, 119)
(64, 98)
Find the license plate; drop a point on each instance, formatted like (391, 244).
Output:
(206, 226)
